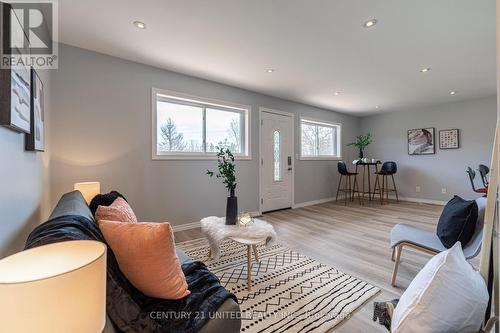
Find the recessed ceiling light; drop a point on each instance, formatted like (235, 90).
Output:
(425, 70)
(140, 25)
(376, 106)
(336, 93)
(270, 70)
(370, 23)
(453, 92)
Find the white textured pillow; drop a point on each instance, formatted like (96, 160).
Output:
(447, 295)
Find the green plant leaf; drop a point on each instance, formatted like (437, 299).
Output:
(225, 168)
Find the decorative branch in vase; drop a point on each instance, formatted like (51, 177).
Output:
(226, 171)
(361, 142)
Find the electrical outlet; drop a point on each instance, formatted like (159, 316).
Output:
(417, 189)
(443, 190)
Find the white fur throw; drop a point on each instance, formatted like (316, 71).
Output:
(216, 230)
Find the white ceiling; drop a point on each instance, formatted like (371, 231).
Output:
(316, 47)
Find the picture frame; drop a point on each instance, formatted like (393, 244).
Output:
(35, 141)
(421, 141)
(449, 139)
(15, 82)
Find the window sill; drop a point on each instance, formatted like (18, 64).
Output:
(320, 158)
(195, 157)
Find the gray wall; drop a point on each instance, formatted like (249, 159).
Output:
(24, 179)
(98, 123)
(476, 120)
(101, 124)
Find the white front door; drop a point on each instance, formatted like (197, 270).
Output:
(276, 138)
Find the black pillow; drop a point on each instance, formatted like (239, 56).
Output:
(457, 222)
(104, 200)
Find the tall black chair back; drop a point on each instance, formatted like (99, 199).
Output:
(472, 175)
(347, 190)
(342, 168)
(484, 171)
(389, 168)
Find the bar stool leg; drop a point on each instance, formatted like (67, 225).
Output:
(351, 193)
(355, 187)
(369, 184)
(363, 184)
(377, 183)
(395, 190)
(350, 190)
(338, 188)
(347, 192)
(382, 190)
(387, 189)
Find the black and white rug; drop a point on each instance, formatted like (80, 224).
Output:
(290, 292)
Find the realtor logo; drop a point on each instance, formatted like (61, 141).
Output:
(29, 34)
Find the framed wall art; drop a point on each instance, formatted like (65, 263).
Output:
(15, 82)
(36, 139)
(449, 139)
(421, 141)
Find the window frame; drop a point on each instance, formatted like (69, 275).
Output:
(323, 123)
(204, 103)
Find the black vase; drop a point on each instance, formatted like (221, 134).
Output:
(231, 210)
(361, 153)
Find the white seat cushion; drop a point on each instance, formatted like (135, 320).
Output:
(447, 295)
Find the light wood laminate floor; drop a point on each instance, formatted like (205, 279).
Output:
(355, 240)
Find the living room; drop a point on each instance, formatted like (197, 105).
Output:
(296, 164)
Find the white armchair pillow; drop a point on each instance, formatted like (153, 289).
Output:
(447, 295)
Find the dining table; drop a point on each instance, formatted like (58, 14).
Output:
(366, 186)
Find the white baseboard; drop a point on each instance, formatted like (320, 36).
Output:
(197, 224)
(418, 200)
(186, 226)
(314, 202)
(421, 200)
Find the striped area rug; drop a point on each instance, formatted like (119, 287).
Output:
(290, 292)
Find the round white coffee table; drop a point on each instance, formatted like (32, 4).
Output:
(216, 230)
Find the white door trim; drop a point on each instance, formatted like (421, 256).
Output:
(281, 113)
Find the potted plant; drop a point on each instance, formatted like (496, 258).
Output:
(226, 172)
(361, 142)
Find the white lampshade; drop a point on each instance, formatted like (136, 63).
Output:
(88, 189)
(56, 288)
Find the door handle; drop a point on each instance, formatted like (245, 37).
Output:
(289, 169)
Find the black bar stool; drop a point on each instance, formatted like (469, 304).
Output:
(472, 175)
(347, 189)
(484, 171)
(388, 169)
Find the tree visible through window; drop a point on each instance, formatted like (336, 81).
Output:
(180, 127)
(189, 127)
(171, 139)
(223, 130)
(319, 139)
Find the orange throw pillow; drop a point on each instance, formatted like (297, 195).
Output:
(146, 255)
(119, 211)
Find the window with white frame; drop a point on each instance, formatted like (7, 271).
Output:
(191, 127)
(320, 140)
